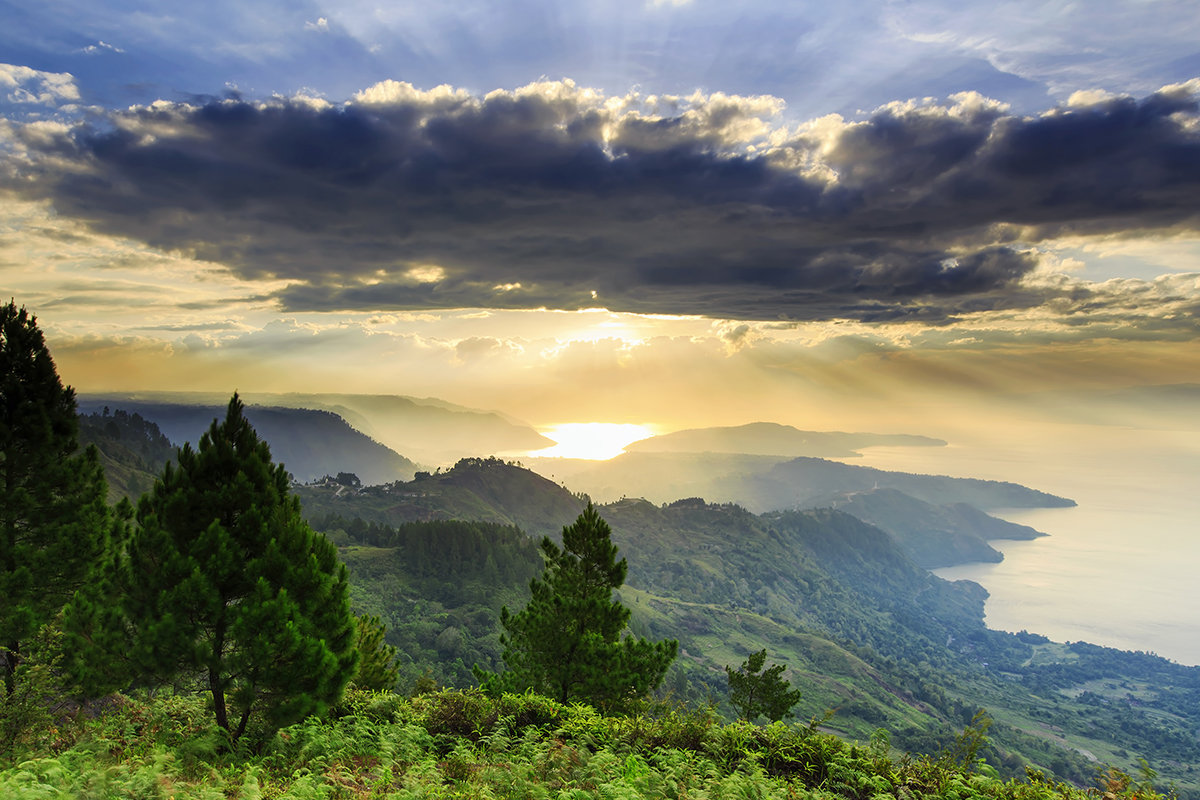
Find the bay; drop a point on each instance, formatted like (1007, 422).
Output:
(1123, 568)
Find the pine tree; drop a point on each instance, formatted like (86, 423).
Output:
(224, 582)
(56, 527)
(377, 660)
(767, 693)
(566, 644)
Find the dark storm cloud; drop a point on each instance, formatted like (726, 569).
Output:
(551, 197)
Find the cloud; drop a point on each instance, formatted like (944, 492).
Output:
(1067, 46)
(738, 336)
(26, 85)
(477, 348)
(557, 196)
(321, 25)
(100, 47)
(197, 327)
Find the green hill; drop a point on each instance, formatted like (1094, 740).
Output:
(439, 586)
(932, 535)
(132, 449)
(487, 490)
(862, 627)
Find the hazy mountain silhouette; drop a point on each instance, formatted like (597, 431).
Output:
(310, 443)
(932, 535)
(771, 483)
(773, 439)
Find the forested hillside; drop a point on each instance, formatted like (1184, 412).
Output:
(933, 535)
(862, 627)
(132, 449)
(487, 490)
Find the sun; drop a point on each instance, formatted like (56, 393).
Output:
(594, 440)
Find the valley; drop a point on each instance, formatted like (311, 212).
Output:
(825, 566)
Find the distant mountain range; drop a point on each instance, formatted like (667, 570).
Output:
(310, 443)
(772, 439)
(804, 482)
(937, 520)
(771, 483)
(932, 533)
(426, 430)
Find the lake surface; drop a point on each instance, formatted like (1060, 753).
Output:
(1123, 568)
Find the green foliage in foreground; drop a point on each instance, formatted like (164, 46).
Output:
(465, 744)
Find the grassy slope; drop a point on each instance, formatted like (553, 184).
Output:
(866, 690)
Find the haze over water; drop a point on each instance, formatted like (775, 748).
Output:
(1120, 569)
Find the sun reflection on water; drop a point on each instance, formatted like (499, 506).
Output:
(596, 440)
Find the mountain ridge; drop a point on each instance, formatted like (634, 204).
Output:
(426, 430)
(932, 535)
(774, 439)
(310, 443)
(770, 483)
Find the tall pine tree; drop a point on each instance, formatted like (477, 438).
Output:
(56, 525)
(223, 582)
(566, 644)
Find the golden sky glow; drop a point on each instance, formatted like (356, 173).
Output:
(1091, 308)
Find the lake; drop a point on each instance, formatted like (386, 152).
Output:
(1123, 568)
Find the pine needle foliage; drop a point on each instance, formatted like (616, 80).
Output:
(567, 643)
(376, 660)
(754, 691)
(56, 528)
(225, 586)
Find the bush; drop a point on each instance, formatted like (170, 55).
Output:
(454, 744)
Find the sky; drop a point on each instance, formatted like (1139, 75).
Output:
(669, 213)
